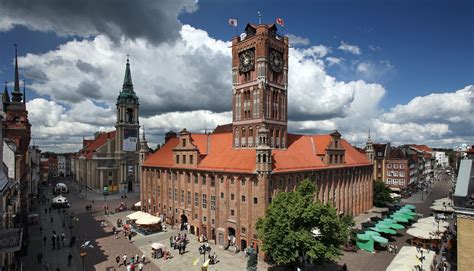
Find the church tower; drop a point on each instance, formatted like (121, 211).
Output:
(259, 78)
(369, 149)
(127, 133)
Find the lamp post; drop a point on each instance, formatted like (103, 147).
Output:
(83, 254)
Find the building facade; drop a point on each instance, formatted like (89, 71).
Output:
(61, 165)
(441, 159)
(111, 159)
(464, 209)
(219, 184)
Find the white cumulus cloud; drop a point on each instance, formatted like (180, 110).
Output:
(353, 49)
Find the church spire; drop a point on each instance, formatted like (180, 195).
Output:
(16, 94)
(6, 96)
(127, 81)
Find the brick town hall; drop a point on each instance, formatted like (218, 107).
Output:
(221, 183)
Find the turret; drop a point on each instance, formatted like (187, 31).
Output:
(16, 94)
(369, 148)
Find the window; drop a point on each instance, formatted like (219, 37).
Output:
(111, 174)
(182, 196)
(184, 159)
(196, 199)
(402, 173)
(203, 179)
(395, 173)
(191, 159)
(222, 179)
(184, 142)
(213, 181)
(177, 159)
(188, 177)
(212, 221)
(270, 200)
(204, 218)
(196, 181)
(222, 195)
(242, 182)
(395, 166)
(271, 183)
(281, 182)
(243, 198)
(169, 193)
(232, 181)
(389, 165)
(232, 212)
(255, 200)
(243, 230)
(402, 166)
(255, 183)
(175, 195)
(195, 216)
(213, 202)
(189, 197)
(158, 191)
(231, 196)
(204, 201)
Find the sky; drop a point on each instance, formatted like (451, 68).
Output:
(404, 69)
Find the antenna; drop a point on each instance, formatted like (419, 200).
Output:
(259, 17)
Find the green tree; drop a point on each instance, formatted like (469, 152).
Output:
(297, 226)
(381, 194)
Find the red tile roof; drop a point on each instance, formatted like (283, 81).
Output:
(219, 155)
(423, 148)
(96, 143)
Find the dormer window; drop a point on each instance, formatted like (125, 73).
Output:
(184, 142)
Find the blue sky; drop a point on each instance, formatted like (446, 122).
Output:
(405, 68)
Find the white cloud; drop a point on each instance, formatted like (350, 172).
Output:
(334, 60)
(297, 40)
(354, 49)
(363, 67)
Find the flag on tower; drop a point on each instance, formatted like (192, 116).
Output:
(233, 22)
(280, 21)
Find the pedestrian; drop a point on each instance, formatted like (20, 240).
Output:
(57, 241)
(69, 259)
(53, 241)
(46, 265)
(38, 257)
(45, 210)
(41, 230)
(114, 229)
(44, 240)
(124, 259)
(396, 249)
(49, 207)
(143, 258)
(140, 266)
(171, 241)
(344, 267)
(73, 240)
(136, 258)
(130, 237)
(117, 260)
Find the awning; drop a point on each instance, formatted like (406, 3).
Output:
(137, 215)
(148, 220)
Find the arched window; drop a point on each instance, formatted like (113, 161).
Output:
(129, 115)
(264, 158)
(244, 138)
(259, 158)
(250, 137)
(236, 138)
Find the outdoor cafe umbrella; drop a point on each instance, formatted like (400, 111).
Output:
(439, 207)
(384, 230)
(405, 215)
(372, 233)
(440, 201)
(406, 212)
(399, 218)
(423, 234)
(392, 224)
(430, 227)
(157, 246)
(409, 206)
(363, 237)
(431, 220)
(137, 215)
(148, 220)
(380, 239)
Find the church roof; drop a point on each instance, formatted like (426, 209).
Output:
(99, 141)
(127, 95)
(217, 154)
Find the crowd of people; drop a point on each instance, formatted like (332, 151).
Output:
(179, 242)
(134, 263)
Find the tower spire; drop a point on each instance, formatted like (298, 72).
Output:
(6, 96)
(16, 94)
(127, 81)
(17, 78)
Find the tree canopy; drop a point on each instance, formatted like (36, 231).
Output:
(381, 194)
(296, 226)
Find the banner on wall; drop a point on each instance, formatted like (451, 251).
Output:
(130, 139)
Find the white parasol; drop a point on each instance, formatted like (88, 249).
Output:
(137, 215)
(157, 246)
(148, 220)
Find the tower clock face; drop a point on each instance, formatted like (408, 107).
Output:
(247, 61)
(276, 61)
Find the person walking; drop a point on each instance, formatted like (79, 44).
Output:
(52, 220)
(143, 258)
(124, 259)
(53, 242)
(69, 259)
(140, 267)
(44, 240)
(117, 260)
(137, 258)
(130, 237)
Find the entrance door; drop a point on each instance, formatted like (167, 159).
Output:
(243, 244)
(184, 222)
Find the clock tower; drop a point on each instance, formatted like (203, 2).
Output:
(260, 84)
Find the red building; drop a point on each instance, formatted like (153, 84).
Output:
(221, 183)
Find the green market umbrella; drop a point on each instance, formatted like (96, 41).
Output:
(399, 218)
(389, 220)
(407, 212)
(363, 237)
(380, 239)
(375, 229)
(387, 230)
(380, 226)
(406, 215)
(409, 206)
(396, 226)
(372, 233)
